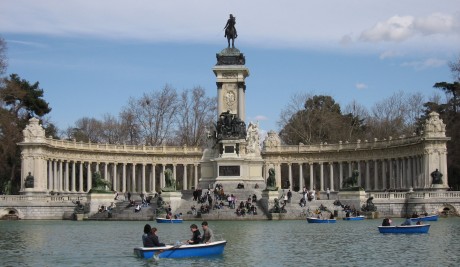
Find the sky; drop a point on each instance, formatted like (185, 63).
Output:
(90, 56)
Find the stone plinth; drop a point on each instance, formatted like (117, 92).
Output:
(268, 197)
(439, 187)
(352, 198)
(371, 214)
(172, 198)
(99, 199)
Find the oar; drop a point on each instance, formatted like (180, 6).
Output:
(162, 250)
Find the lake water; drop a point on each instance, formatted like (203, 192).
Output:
(250, 243)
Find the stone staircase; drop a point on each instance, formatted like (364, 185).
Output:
(122, 212)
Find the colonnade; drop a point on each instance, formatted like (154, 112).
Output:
(64, 176)
(401, 173)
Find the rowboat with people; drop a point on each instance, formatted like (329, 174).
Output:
(166, 220)
(182, 250)
(354, 218)
(405, 229)
(425, 218)
(319, 220)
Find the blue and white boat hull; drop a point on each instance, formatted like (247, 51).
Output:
(406, 229)
(183, 251)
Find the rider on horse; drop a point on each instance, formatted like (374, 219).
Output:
(230, 30)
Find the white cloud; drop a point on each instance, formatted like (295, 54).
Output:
(428, 63)
(361, 86)
(391, 54)
(396, 28)
(400, 28)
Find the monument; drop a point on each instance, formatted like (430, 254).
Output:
(232, 155)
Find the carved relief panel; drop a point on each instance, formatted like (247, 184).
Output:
(230, 97)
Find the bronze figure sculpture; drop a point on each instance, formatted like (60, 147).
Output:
(230, 31)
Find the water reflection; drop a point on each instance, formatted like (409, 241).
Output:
(268, 243)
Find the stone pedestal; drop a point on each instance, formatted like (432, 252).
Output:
(99, 199)
(371, 214)
(439, 187)
(172, 198)
(268, 198)
(352, 198)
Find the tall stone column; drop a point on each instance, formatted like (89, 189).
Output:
(376, 174)
(384, 174)
(162, 182)
(196, 175)
(74, 166)
(115, 177)
(50, 175)
(321, 173)
(278, 173)
(89, 177)
(55, 176)
(312, 184)
(368, 180)
(143, 191)
(153, 181)
(331, 176)
(300, 176)
(123, 178)
(67, 172)
(392, 176)
(340, 174)
(290, 175)
(80, 189)
(185, 187)
(134, 180)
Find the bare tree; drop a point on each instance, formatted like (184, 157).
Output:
(86, 130)
(3, 59)
(154, 114)
(196, 112)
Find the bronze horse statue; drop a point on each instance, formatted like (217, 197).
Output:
(230, 31)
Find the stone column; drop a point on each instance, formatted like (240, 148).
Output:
(376, 174)
(174, 173)
(162, 182)
(384, 175)
(55, 174)
(115, 178)
(90, 177)
(106, 176)
(133, 181)
(392, 176)
(185, 186)
(60, 177)
(300, 176)
(50, 174)
(80, 190)
(312, 184)
(340, 174)
(73, 176)
(368, 181)
(331, 176)
(321, 181)
(143, 191)
(290, 175)
(398, 174)
(196, 175)
(403, 173)
(67, 172)
(278, 174)
(123, 178)
(153, 179)
(409, 173)
(350, 167)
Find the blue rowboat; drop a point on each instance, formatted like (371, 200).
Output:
(425, 218)
(164, 220)
(355, 218)
(405, 229)
(316, 220)
(182, 251)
